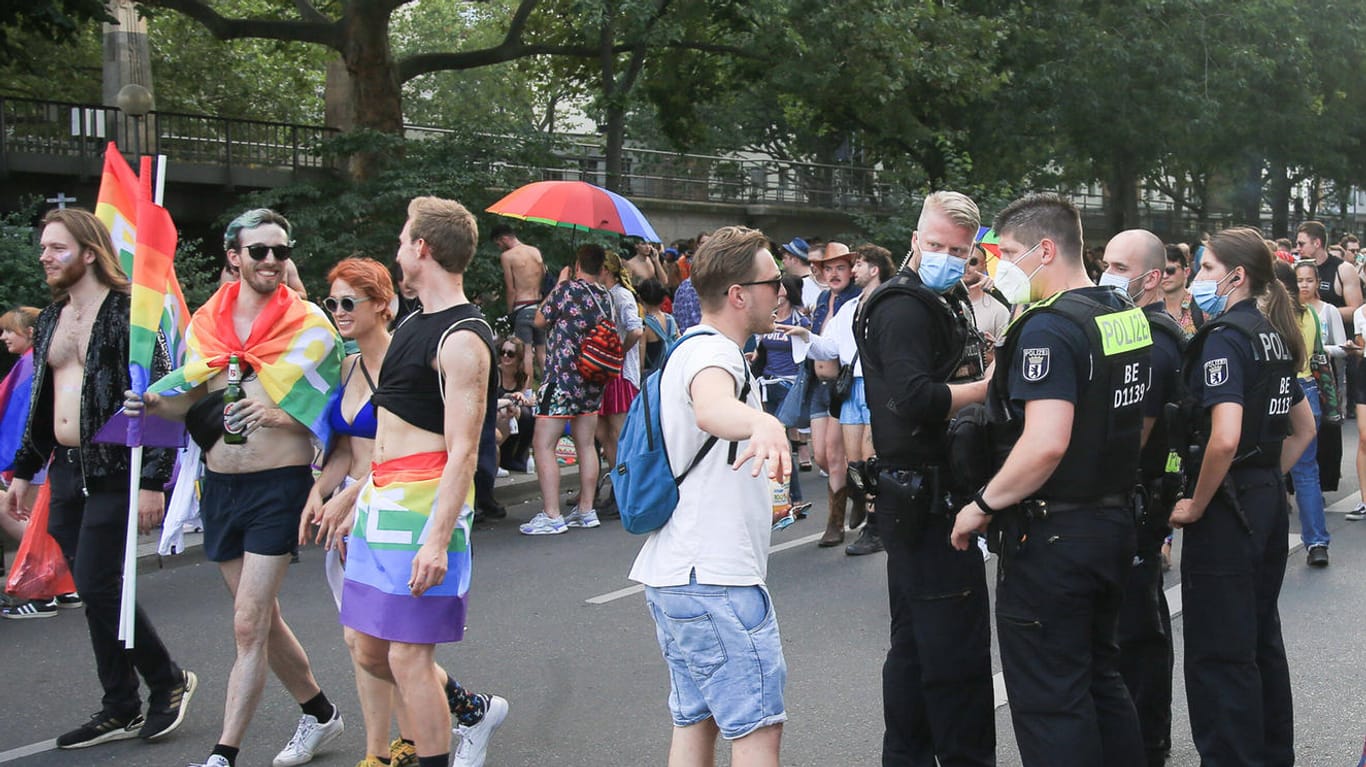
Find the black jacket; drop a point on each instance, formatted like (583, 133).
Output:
(104, 466)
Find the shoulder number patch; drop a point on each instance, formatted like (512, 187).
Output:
(1216, 372)
(1036, 364)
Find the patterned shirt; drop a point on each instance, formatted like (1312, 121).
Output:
(687, 306)
(571, 310)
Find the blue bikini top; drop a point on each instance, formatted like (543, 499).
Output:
(365, 424)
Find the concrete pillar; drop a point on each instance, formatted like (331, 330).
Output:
(127, 60)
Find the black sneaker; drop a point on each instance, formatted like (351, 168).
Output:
(1317, 556)
(163, 718)
(102, 728)
(69, 601)
(868, 542)
(1357, 514)
(31, 609)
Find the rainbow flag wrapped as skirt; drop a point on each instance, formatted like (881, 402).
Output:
(393, 517)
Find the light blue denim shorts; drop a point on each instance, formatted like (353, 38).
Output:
(855, 409)
(724, 655)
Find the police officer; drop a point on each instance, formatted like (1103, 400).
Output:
(937, 694)
(1240, 369)
(1135, 260)
(1068, 394)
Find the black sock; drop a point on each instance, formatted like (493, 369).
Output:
(412, 743)
(227, 752)
(383, 759)
(441, 760)
(319, 707)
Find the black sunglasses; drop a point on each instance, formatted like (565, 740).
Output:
(1172, 270)
(508, 353)
(775, 282)
(346, 303)
(259, 252)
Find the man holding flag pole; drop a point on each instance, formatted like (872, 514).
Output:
(81, 363)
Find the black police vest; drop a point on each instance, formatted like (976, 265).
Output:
(962, 356)
(1107, 428)
(1157, 451)
(1269, 388)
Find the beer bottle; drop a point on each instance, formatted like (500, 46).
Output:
(231, 435)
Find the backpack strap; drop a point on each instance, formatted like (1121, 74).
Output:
(711, 439)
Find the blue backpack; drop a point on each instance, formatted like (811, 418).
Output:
(643, 483)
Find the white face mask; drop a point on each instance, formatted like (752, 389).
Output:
(1012, 281)
(1110, 279)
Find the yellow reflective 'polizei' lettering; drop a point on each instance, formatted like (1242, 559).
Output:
(1124, 331)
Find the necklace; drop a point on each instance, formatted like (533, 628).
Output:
(80, 310)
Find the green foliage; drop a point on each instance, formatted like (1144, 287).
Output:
(58, 21)
(196, 271)
(24, 284)
(340, 217)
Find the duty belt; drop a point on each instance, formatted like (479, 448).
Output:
(1040, 508)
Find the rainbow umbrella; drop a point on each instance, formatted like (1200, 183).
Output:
(986, 237)
(575, 205)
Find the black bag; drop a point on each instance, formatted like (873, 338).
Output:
(843, 384)
(971, 450)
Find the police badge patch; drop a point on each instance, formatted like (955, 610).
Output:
(1036, 364)
(1216, 372)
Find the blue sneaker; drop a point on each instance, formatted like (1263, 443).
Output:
(579, 518)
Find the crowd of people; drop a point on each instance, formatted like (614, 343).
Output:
(961, 398)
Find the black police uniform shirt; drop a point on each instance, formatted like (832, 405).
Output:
(1166, 375)
(1226, 364)
(902, 397)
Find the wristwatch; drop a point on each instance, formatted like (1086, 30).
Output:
(982, 502)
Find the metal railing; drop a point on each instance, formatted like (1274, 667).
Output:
(61, 129)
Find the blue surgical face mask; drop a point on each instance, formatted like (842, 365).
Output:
(940, 271)
(1112, 280)
(1206, 295)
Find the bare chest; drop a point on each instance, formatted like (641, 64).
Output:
(70, 339)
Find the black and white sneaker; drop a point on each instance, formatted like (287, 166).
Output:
(31, 609)
(102, 728)
(69, 601)
(1357, 514)
(164, 716)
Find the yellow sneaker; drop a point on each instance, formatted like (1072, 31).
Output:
(369, 761)
(401, 754)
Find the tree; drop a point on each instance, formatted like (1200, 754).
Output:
(59, 21)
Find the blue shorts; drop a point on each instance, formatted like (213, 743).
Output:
(724, 655)
(256, 512)
(524, 324)
(820, 398)
(855, 408)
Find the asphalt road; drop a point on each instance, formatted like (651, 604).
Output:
(557, 629)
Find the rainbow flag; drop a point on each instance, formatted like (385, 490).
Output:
(123, 203)
(293, 348)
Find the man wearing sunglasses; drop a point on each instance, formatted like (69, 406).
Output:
(254, 492)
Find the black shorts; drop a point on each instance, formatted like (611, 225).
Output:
(256, 512)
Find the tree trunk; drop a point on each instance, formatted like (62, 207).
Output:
(1122, 208)
(376, 93)
(1280, 199)
(1249, 195)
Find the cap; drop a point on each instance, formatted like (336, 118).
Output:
(798, 248)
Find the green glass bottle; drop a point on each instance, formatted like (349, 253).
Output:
(233, 436)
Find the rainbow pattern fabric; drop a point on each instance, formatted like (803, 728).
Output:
(393, 519)
(16, 393)
(145, 237)
(294, 350)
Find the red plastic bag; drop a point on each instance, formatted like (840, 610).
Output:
(40, 570)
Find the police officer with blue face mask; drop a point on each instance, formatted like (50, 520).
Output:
(1066, 398)
(1134, 261)
(922, 362)
(1240, 369)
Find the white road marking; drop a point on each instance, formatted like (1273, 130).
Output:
(612, 596)
(29, 750)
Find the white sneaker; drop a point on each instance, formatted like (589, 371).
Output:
(214, 760)
(579, 518)
(308, 738)
(474, 739)
(502, 473)
(542, 524)
(1357, 514)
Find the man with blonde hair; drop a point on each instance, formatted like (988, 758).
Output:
(712, 558)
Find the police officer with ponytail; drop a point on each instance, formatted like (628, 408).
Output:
(1066, 396)
(922, 362)
(1252, 424)
(1135, 260)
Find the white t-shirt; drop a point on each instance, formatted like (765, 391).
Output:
(992, 316)
(628, 319)
(724, 520)
(811, 292)
(1359, 320)
(836, 343)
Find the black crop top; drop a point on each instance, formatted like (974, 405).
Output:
(408, 384)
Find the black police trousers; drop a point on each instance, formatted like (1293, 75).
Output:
(91, 532)
(1145, 648)
(1057, 612)
(937, 698)
(1237, 678)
